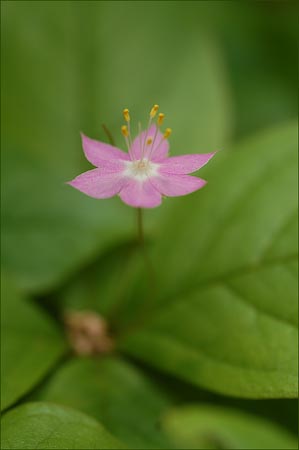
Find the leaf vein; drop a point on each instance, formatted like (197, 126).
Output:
(241, 297)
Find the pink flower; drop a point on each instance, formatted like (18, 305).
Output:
(143, 175)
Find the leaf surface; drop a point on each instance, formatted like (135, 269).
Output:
(226, 313)
(31, 344)
(49, 426)
(127, 403)
(210, 427)
(50, 230)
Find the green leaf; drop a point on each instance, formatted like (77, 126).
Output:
(209, 427)
(106, 285)
(226, 314)
(49, 426)
(31, 344)
(54, 229)
(114, 392)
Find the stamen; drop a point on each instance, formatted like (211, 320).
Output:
(152, 114)
(159, 123)
(167, 133)
(154, 111)
(165, 136)
(140, 138)
(125, 131)
(160, 119)
(126, 115)
(153, 142)
(128, 138)
(147, 145)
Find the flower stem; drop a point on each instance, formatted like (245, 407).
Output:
(140, 228)
(141, 241)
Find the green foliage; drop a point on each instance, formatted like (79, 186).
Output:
(226, 318)
(127, 403)
(31, 344)
(209, 427)
(48, 426)
(53, 231)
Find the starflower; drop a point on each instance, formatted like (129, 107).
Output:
(143, 175)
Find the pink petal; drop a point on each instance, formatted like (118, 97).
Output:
(156, 151)
(99, 184)
(98, 152)
(175, 185)
(140, 194)
(185, 164)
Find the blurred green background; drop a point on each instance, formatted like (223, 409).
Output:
(220, 71)
(223, 72)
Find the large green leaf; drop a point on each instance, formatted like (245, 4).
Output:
(31, 344)
(226, 313)
(49, 426)
(117, 394)
(209, 427)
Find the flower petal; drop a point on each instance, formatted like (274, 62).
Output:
(99, 152)
(140, 194)
(98, 184)
(156, 151)
(175, 185)
(185, 164)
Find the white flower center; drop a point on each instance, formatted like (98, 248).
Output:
(141, 169)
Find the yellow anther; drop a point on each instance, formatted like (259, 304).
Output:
(167, 133)
(154, 111)
(149, 141)
(126, 114)
(124, 130)
(160, 119)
